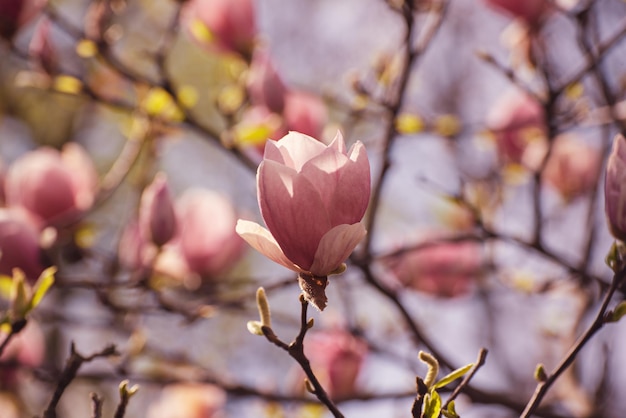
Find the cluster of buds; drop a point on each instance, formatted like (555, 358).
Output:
(188, 239)
(45, 191)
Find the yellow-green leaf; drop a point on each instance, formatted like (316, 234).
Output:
(432, 405)
(451, 411)
(45, 281)
(6, 284)
(454, 375)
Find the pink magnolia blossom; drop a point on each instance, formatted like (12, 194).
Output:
(14, 14)
(517, 121)
(19, 244)
(312, 198)
(207, 237)
(444, 269)
(265, 87)
(54, 186)
(615, 189)
(157, 219)
(336, 358)
(188, 400)
(27, 348)
(305, 112)
(531, 11)
(230, 23)
(573, 167)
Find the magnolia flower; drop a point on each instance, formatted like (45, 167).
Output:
(157, 219)
(265, 87)
(312, 198)
(615, 189)
(19, 244)
(14, 14)
(445, 269)
(336, 358)
(573, 167)
(188, 401)
(517, 122)
(305, 112)
(228, 24)
(531, 12)
(27, 348)
(54, 186)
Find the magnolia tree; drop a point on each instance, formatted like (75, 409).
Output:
(359, 208)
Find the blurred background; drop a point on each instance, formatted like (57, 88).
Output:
(487, 125)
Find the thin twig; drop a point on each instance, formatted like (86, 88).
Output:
(598, 323)
(74, 362)
(480, 361)
(296, 351)
(96, 405)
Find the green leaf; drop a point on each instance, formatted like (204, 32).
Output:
(451, 411)
(432, 405)
(456, 374)
(45, 281)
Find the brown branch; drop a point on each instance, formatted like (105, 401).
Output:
(74, 362)
(96, 405)
(600, 320)
(480, 361)
(296, 351)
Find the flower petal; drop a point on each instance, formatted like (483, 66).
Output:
(301, 148)
(261, 240)
(293, 211)
(335, 247)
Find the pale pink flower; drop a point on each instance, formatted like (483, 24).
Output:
(207, 237)
(132, 247)
(517, 121)
(188, 400)
(531, 11)
(57, 187)
(265, 86)
(228, 24)
(446, 269)
(312, 198)
(336, 358)
(19, 244)
(157, 220)
(14, 14)
(27, 348)
(305, 112)
(615, 189)
(573, 167)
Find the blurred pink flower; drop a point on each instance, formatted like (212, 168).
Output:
(27, 348)
(531, 11)
(336, 358)
(131, 247)
(188, 401)
(615, 189)
(265, 86)
(207, 237)
(573, 167)
(443, 269)
(19, 244)
(228, 24)
(57, 187)
(16, 13)
(157, 220)
(305, 112)
(312, 198)
(517, 121)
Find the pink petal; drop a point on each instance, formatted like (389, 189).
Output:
(338, 143)
(84, 175)
(301, 148)
(293, 211)
(261, 240)
(335, 247)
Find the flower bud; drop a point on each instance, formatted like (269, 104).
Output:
(305, 112)
(265, 86)
(227, 24)
(19, 244)
(57, 187)
(26, 349)
(615, 189)
(157, 220)
(14, 14)
(531, 11)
